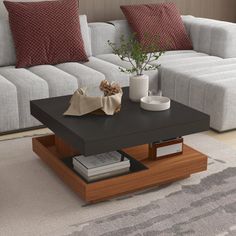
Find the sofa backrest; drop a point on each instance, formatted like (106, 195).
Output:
(100, 33)
(111, 30)
(216, 38)
(7, 50)
(213, 37)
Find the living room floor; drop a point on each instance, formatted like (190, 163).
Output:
(228, 138)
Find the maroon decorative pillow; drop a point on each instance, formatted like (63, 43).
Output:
(158, 20)
(46, 32)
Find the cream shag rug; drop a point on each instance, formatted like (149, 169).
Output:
(33, 201)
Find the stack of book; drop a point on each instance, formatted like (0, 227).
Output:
(101, 166)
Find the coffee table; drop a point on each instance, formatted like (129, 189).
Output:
(130, 131)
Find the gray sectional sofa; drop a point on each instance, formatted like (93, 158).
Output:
(204, 78)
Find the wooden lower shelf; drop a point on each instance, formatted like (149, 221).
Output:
(53, 150)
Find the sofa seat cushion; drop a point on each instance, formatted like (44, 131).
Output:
(175, 80)
(9, 113)
(193, 86)
(176, 58)
(220, 103)
(59, 82)
(169, 58)
(112, 72)
(85, 76)
(109, 59)
(29, 87)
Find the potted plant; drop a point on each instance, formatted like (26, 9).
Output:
(139, 57)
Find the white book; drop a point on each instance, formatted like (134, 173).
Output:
(96, 163)
(102, 176)
(95, 171)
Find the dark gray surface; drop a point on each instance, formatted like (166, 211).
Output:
(93, 134)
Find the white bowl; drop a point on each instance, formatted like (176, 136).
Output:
(155, 103)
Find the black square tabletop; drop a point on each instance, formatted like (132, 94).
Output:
(93, 134)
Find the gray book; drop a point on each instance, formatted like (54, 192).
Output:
(95, 171)
(104, 175)
(98, 164)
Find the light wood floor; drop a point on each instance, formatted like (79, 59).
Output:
(228, 137)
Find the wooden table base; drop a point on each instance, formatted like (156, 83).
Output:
(53, 150)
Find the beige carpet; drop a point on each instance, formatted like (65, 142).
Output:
(33, 201)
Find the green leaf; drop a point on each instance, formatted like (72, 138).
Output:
(132, 51)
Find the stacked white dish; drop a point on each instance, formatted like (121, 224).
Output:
(155, 103)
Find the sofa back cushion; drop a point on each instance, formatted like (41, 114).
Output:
(213, 37)
(100, 33)
(46, 32)
(7, 49)
(85, 31)
(161, 21)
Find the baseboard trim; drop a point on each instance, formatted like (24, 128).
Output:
(22, 130)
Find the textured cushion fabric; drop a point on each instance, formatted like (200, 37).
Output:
(46, 32)
(100, 34)
(176, 80)
(181, 56)
(214, 93)
(173, 58)
(162, 20)
(29, 87)
(85, 76)
(7, 50)
(59, 82)
(205, 87)
(85, 32)
(122, 27)
(9, 115)
(115, 73)
(180, 59)
(220, 103)
(213, 37)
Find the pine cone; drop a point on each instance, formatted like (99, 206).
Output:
(109, 89)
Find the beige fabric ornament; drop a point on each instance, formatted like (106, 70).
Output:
(82, 103)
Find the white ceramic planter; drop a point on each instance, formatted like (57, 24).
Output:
(138, 87)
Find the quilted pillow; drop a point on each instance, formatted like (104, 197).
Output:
(162, 21)
(46, 32)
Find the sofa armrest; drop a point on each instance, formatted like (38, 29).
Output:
(216, 38)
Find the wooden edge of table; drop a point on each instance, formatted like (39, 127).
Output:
(51, 159)
(52, 150)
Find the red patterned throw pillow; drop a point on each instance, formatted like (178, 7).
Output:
(158, 22)
(46, 32)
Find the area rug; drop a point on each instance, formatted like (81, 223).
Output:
(33, 201)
